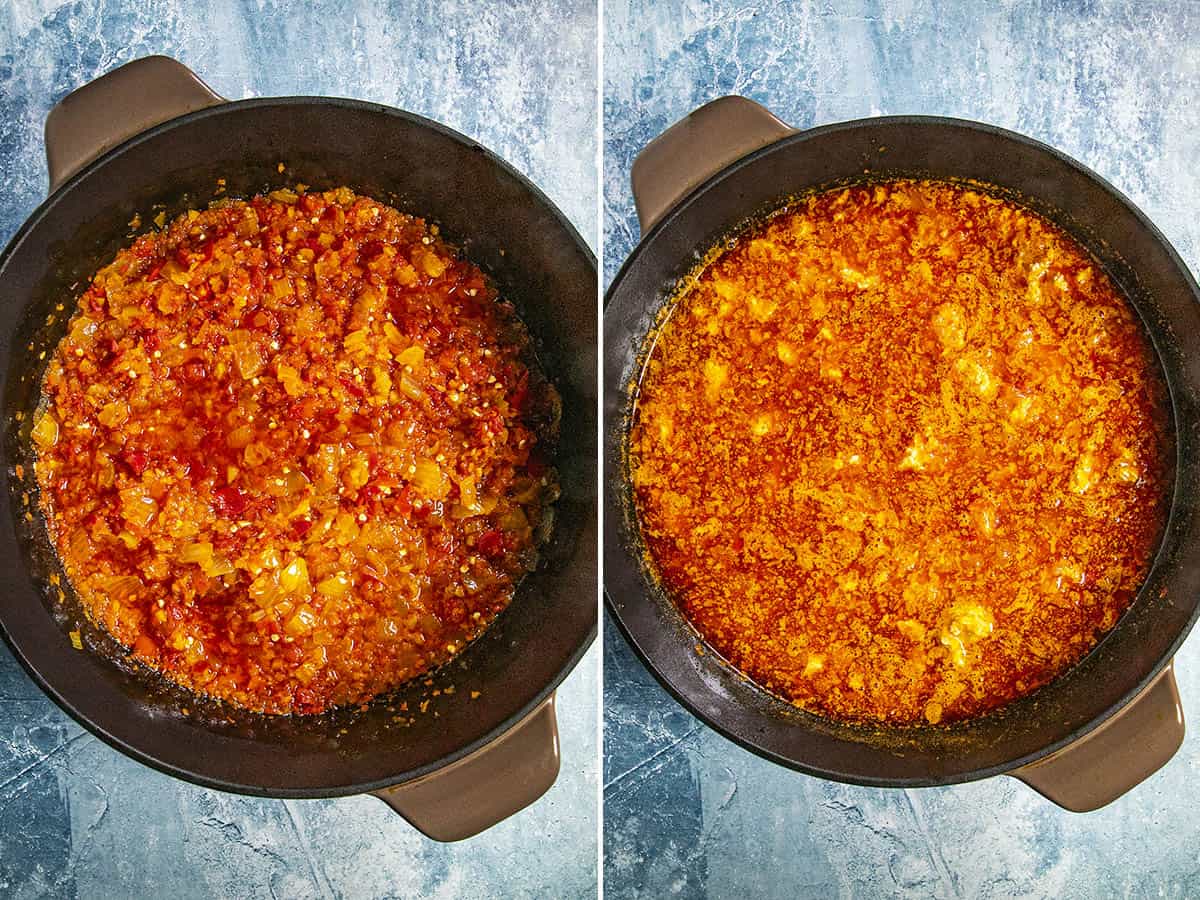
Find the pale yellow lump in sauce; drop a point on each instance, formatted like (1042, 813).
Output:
(900, 453)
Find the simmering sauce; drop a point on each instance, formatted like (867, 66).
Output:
(293, 450)
(900, 452)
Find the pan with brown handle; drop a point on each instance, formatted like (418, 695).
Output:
(454, 753)
(1101, 727)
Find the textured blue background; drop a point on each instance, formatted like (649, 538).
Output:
(1114, 84)
(78, 819)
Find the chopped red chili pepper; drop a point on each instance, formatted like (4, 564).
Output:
(137, 460)
(230, 501)
(490, 543)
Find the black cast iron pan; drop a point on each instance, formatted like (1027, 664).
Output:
(1100, 728)
(463, 763)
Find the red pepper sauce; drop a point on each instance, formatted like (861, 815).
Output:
(293, 450)
(901, 453)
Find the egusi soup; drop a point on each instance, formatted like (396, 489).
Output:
(293, 450)
(900, 453)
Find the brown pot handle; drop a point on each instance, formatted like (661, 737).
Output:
(1116, 757)
(119, 104)
(695, 148)
(486, 787)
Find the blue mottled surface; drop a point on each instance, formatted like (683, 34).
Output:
(1113, 84)
(77, 818)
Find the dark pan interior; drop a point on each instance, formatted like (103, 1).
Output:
(503, 224)
(1158, 285)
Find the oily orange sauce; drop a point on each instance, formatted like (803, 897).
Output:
(900, 453)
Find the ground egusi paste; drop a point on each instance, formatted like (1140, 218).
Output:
(900, 452)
